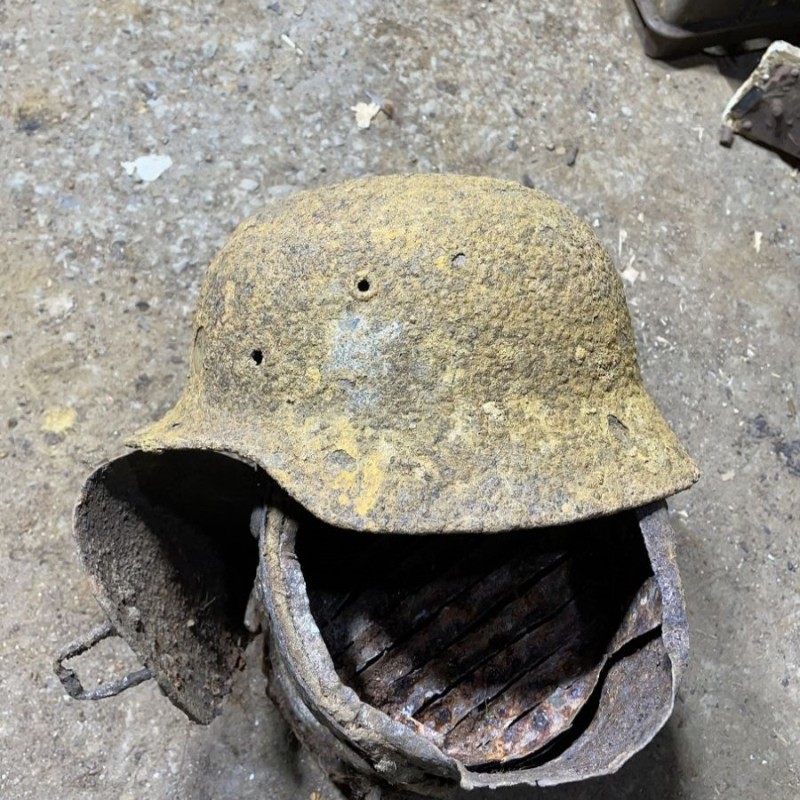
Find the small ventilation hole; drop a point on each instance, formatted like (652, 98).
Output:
(257, 356)
(363, 285)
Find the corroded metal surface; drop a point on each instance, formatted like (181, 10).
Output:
(766, 108)
(410, 355)
(70, 680)
(165, 540)
(422, 354)
(586, 712)
(488, 646)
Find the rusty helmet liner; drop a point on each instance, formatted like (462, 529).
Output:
(474, 661)
(490, 647)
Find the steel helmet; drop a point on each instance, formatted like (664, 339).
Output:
(425, 353)
(409, 355)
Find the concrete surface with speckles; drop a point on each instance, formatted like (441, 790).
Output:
(99, 273)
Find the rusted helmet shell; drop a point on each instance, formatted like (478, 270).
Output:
(609, 708)
(425, 353)
(410, 355)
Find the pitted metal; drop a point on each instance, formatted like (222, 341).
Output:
(425, 353)
(638, 681)
(408, 355)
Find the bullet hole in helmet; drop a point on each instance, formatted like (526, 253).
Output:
(257, 356)
(363, 285)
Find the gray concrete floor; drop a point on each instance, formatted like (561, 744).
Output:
(250, 99)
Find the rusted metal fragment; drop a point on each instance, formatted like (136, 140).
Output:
(644, 614)
(69, 678)
(544, 702)
(166, 542)
(382, 748)
(465, 666)
(327, 332)
(634, 692)
(542, 725)
(461, 628)
(766, 108)
(404, 590)
(518, 721)
(488, 646)
(637, 692)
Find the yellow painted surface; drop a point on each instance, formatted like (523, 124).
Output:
(372, 478)
(58, 419)
(439, 353)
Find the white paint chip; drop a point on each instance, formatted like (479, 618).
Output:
(365, 113)
(147, 168)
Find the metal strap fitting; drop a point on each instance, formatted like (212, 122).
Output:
(70, 680)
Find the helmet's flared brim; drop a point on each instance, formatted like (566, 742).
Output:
(513, 470)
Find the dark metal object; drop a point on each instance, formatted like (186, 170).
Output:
(166, 540)
(490, 647)
(328, 350)
(625, 686)
(766, 108)
(420, 663)
(674, 28)
(70, 680)
(506, 608)
(726, 136)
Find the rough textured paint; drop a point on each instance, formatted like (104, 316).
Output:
(464, 342)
